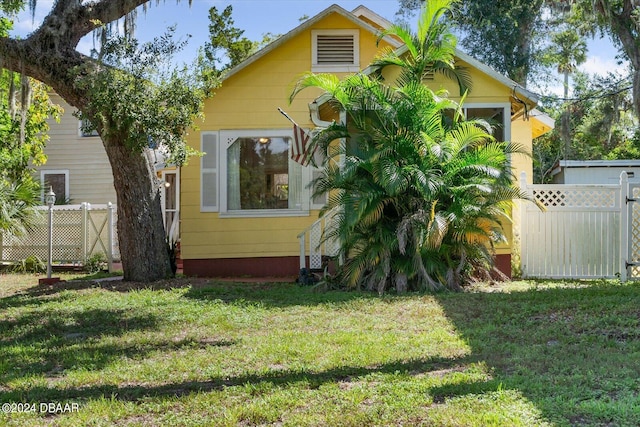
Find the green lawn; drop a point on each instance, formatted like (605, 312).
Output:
(194, 352)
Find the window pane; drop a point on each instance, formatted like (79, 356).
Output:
(258, 173)
(170, 201)
(495, 117)
(57, 182)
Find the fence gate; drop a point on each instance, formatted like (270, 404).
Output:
(583, 232)
(79, 231)
(631, 236)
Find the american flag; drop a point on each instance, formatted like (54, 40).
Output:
(300, 150)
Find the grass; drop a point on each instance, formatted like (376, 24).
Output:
(192, 352)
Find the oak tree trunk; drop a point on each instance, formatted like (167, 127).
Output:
(141, 235)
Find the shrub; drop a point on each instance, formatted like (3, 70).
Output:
(31, 264)
(95, 263)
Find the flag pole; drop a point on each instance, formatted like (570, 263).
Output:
(287, 116)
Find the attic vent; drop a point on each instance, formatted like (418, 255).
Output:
(335, 50)
(429, 76)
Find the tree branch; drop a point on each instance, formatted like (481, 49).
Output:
(70, 20)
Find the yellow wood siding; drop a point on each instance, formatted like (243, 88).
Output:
(249, 100)
(90, 178)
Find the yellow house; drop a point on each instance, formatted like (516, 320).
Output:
(244, 203)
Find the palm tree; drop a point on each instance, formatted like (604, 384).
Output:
(17, 205)
(421, 190)
(568, 50)
(429, 50)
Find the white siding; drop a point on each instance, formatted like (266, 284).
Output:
(605, 175)
(90, 178)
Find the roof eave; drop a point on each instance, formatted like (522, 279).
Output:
(302, 27)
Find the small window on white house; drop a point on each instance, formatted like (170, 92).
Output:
(58, 181)
(335, 51)
(85, 129)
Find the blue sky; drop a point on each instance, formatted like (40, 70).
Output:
(257, 17)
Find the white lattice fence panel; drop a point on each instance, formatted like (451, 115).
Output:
(67, 239)
(634, 232)
(315, 249)
(332, 243)
(552, 197)
(71, 236)
(576, 236)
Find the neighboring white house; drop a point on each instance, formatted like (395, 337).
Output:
(79, 171)
(77, 166)
(594, 171)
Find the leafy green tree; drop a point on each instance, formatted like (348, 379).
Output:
(604, 117)
(422, 190)
(503, 34)
(620, 19)
(226, 47)
(127, 131)
(24, 109)
(602, 124)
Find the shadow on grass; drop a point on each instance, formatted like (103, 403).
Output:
(49, 342)
(573, 353)
(284, 378)
(271, 294)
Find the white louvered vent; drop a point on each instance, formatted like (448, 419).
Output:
(335, 49)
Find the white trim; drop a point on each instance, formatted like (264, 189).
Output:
(353, 67)
(263, 213)
(64, 172)
(163, 197)
(227, 138)
(363, 11)
(507, 113)
(506, 107)
(543, 118)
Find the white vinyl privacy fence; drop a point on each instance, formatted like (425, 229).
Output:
(79, 231)
(584, 231)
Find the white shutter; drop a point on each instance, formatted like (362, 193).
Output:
(209, 172)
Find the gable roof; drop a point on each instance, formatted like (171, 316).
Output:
(522, 100)
(310, 23)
